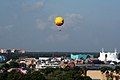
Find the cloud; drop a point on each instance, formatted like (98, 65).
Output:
(52, 17)
(34, 6)
(41, 25)
(6, 28)
(9, 27)
(71, 20)
(57, 37)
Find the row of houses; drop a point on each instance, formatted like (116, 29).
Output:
(53, 62)
(44, 62)
(12, 51)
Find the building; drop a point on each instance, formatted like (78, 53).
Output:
(3, 50)
(81, 56)
(21, 51)
(12, 51)
(2, 58)
(109, 56)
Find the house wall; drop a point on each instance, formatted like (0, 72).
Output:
(96, 74)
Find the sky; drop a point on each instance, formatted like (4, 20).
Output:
(89, 25)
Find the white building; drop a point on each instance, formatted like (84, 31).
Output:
(109, 56)
(3, 50)
(43, 58)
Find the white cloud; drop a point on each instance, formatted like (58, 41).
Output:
(48, 23)
(9, 27)
(6, 28)
(58, 37)
(52, 17)
(70, 21)
(41, 25)
(73, 19)
(34, 6)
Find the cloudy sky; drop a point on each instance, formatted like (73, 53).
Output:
(89, 25)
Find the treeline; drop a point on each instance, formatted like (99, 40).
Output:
(44, 54)
(48, 74)
(47, 54)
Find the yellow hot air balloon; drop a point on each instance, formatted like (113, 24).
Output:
(59, 21)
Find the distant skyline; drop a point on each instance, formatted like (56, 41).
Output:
(90, 25)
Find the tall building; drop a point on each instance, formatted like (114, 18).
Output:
(109, 56)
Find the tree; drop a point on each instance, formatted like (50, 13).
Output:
(117, 71)
(67, 74)
(14, 64)
(48, 70)
(36, 75)
(106, 70)
(86, 78)
(13, 75)
(3, 76)
(5, 66)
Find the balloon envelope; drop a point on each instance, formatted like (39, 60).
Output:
(59, 21)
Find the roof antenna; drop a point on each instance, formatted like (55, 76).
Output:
(115, 50)
(102, 50)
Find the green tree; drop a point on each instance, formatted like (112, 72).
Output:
(107, 73)
(14, 64)
(3, 76)
(48, 70)
(36, 75)
(66, 74)
(104, 69)
(86, 78)
(13, 75)
(84, 71)
(5, 66)
(117, 71)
